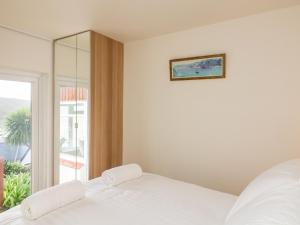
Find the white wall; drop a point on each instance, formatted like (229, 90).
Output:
(24, 52)
(218, 133)
(21, 53)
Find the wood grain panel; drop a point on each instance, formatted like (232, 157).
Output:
(117, 104)
(106, 104)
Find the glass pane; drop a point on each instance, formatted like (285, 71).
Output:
(83, 79)
(15, 142)
(65, 77)
(72, 74)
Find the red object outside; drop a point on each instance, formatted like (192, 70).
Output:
(71, 164)
(69, 94)
(1, 180)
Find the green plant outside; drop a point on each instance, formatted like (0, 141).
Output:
(17, 184)
(17, 179)
(16, 189)
(18, 130)
(14, 168)
(18, 127)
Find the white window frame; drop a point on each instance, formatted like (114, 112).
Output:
(41, 165)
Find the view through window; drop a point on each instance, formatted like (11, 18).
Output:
(15, 142)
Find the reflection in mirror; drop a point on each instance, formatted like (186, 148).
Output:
(72, 81)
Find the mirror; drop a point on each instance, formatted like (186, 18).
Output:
(71, 107)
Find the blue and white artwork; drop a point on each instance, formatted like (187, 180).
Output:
(198, 67)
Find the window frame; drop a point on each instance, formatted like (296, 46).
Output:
(41, 160)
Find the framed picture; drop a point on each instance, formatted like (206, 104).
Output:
(200, 67)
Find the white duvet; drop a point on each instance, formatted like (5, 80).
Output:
(148, 200)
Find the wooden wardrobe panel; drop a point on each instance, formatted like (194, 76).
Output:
(117, 104)
(106, 104)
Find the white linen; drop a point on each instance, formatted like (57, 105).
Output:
(147, 200)
(51, 199)
(278, 206)
(120, 174)
(279, 175)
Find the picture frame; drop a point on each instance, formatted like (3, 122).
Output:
(199, 67)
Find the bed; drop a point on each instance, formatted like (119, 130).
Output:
(150, 199)
(273, 198)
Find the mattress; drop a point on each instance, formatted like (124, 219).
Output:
(148, 200)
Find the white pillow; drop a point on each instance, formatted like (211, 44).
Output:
(280, 206)
(120, 174)
(282, 174)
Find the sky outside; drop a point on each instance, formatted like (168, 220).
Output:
(13, 96)
(14, 89)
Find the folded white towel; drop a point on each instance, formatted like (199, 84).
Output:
(121, 174)
(50, 199)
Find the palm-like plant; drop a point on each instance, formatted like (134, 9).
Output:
(18, 130)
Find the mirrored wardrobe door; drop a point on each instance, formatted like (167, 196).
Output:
(82, 104)
(71, 109)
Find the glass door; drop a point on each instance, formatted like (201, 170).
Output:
(15, 142)
(72, 72)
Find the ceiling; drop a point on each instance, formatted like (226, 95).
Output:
(125, 20)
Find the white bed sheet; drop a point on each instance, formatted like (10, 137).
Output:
(148, 200)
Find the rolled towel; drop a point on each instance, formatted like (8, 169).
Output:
(121, 174)
(50, 199)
